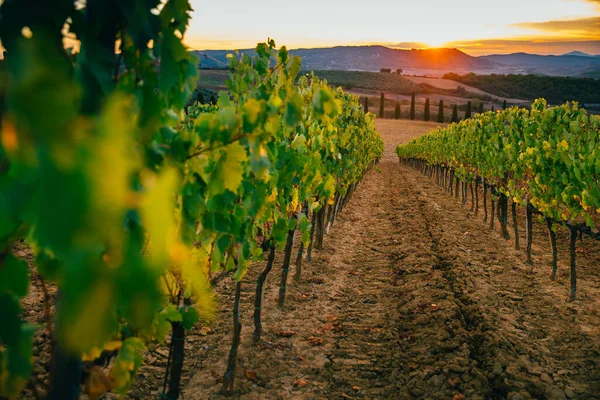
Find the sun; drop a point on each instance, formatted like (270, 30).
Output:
(434, 43)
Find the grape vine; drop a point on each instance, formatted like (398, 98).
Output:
(134, 205)
(545, 159)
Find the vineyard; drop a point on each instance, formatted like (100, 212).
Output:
(545, 160)
(270, 245)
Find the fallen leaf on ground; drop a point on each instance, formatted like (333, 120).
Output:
(458, 396)
(344, 395)
(435, 307)
(453, 382)
(300, 383)
(315, 341)
(205, 330)
(356, 388)
(251, 375)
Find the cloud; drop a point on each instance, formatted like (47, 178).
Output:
(410, 45)
(583, 27)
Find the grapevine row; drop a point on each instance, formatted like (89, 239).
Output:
(546, 159)
(136, 206)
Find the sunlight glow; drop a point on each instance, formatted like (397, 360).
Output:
(231, 24)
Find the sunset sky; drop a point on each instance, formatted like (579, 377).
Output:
(475, 26)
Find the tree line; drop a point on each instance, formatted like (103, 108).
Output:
(427, 115)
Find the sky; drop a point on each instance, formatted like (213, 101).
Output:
(477, 27)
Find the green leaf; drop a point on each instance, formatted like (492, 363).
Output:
(189, 316)
(171, 313)
(232, 167)
(14, 276)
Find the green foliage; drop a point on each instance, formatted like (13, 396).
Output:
(412, 107)
(548, 155)
(426, 113)
(129, 201)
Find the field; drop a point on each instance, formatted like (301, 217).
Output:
(396, 88)
(555, 89)
(411, 297)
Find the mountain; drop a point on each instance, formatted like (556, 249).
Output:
(434, 62)
(369, 58)
(565, 65)
(577, 53)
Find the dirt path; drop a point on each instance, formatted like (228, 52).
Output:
(411, 298)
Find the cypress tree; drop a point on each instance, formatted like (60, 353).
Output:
(504, 105)
(454, 114)
(412, 107)
(213, 100)
(397, 110)
(441, 112)
(426, 116)
(382, 106)
(468, 111)
(493, 109)
(366, 105)
(200, 98)
(481, 107)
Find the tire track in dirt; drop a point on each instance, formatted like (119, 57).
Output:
(465, 315)
(523, 350)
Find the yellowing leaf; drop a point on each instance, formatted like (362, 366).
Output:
(233, 171)
(89, 327)
(293, 205)
(91, 355)
(546, 145)
(564, 145)
(157, 210)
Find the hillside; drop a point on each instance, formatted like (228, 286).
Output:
(555, 89)
(568, 64)
(432, 62)
(367, 58)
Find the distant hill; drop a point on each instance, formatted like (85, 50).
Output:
(433, 62)
(368, 58)
(546, 65)
(578, 53)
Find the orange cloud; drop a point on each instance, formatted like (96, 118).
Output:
(581, 28)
